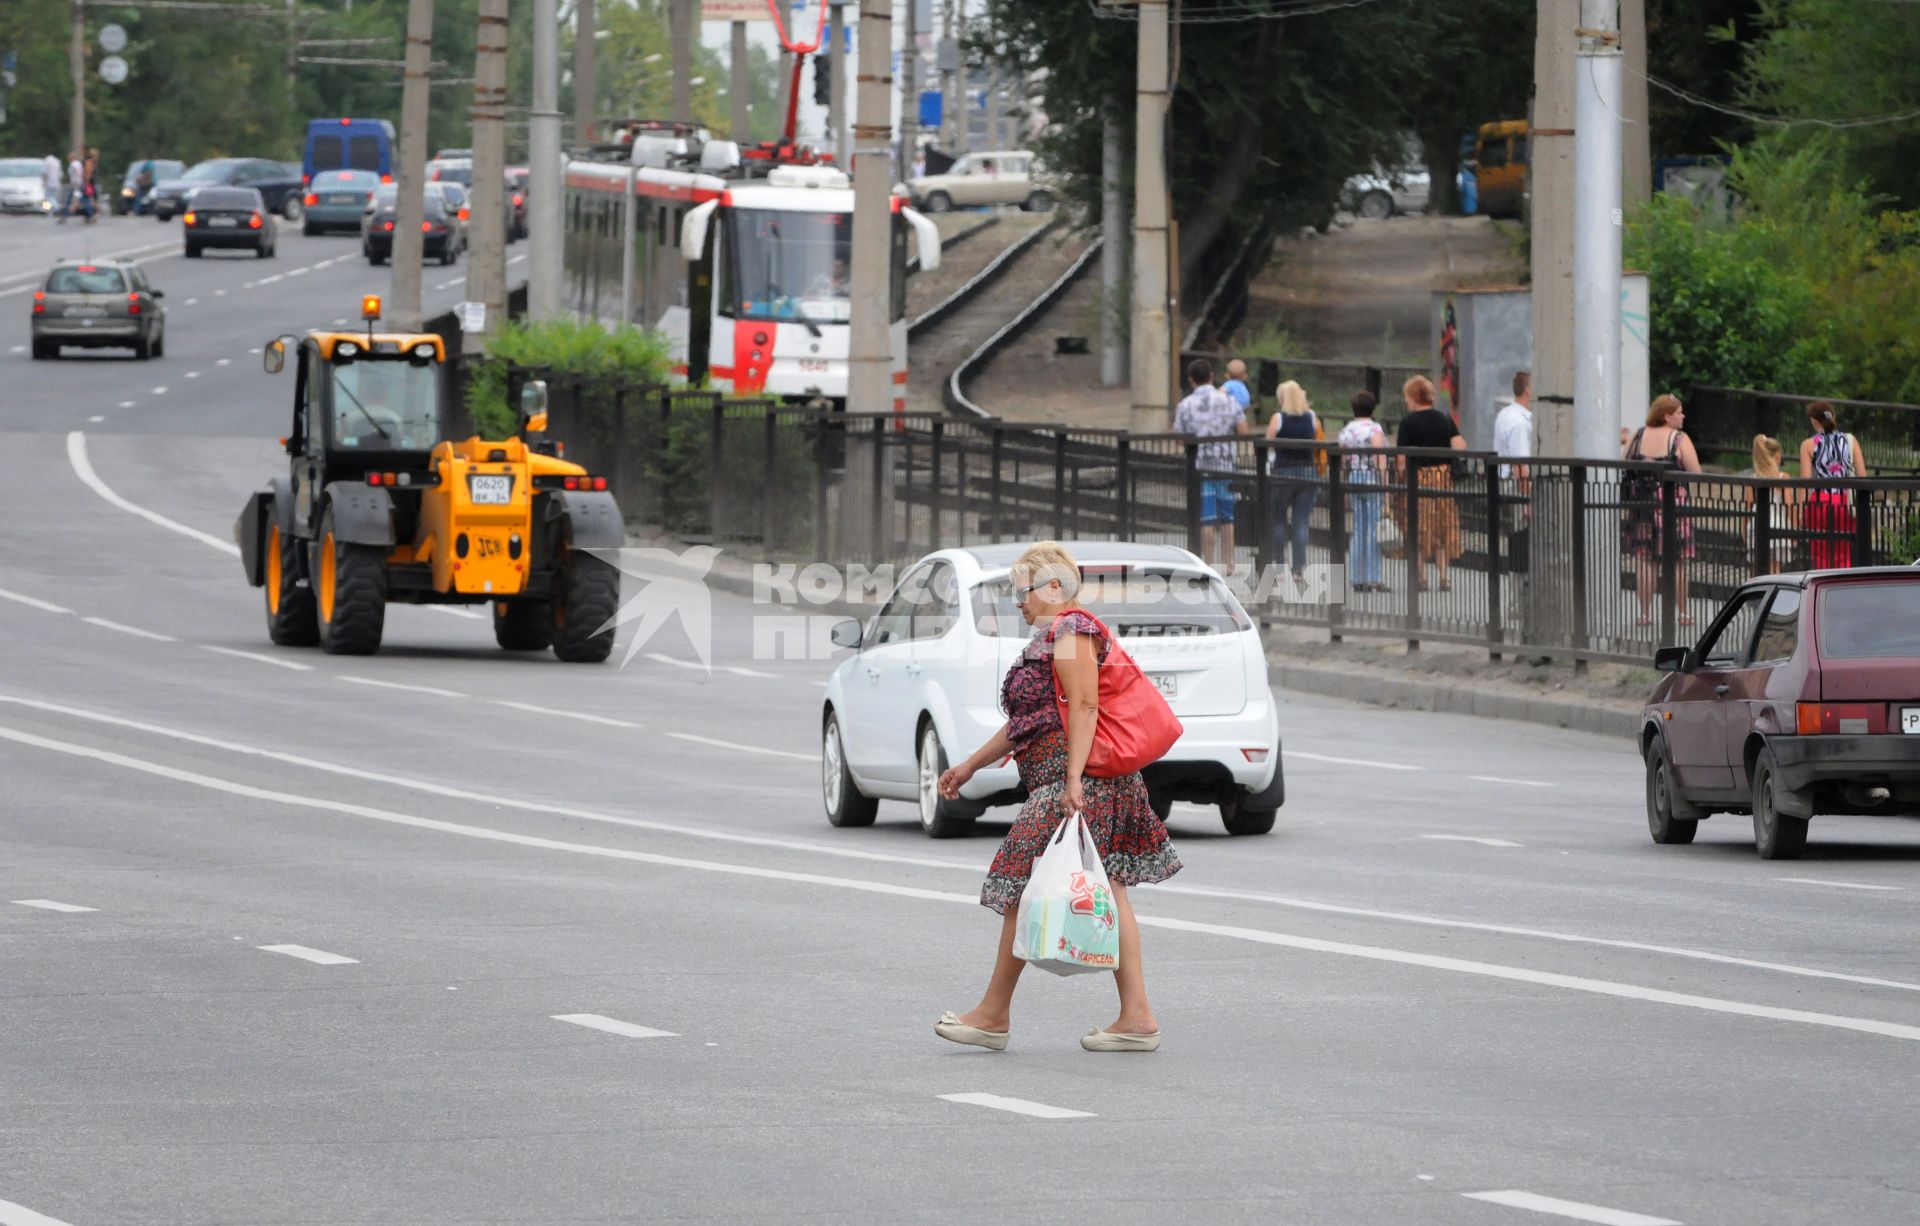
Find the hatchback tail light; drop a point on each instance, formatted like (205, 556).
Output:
(133, 304)
(39, 302)
(312, 198)
(255, 221)
(1840, 718)
(426, 227)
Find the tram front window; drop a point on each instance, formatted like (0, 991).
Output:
(792, 267)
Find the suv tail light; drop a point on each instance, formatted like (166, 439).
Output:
(39, 302)
(312, 198)
(1840, 718)
(133, 304)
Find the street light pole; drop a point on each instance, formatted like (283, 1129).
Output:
(1597, 232)
(410, 189)
(77, 64)
(737, 83)
(870, 356)
(545, 170)
(487, 202)
(1150, 341)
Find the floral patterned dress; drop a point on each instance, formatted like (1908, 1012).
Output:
(1132, 840)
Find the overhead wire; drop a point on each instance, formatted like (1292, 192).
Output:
(1223, 14)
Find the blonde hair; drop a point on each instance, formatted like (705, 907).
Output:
(1418, 391)
(1664, 406)
(1293, 399)
(1043, 562)
(1766, 456)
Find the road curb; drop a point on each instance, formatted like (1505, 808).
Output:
(1592, 716)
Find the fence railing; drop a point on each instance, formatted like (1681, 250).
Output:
(1558, 557)
(1329, 384)
(1723, 420)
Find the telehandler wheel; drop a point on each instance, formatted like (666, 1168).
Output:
(291, 621)
(523, 625)
(350, 592)
(587, 598)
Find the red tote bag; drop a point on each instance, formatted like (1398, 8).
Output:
(1136, 727)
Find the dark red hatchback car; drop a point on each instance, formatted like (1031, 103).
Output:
(1802, 697)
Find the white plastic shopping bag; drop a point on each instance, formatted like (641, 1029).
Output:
(1067, 923)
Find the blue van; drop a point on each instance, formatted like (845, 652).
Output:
(349, 144)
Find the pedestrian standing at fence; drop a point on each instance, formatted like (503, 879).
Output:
(90, 174)
(1781, 500)
(1236, 386)
(1365, 474)
(1642, 517)
(1431, 482)
(1830, 453)
(1512, 440)
(1209, 413)
(1296, 477)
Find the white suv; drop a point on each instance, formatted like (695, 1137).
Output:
(923, 687)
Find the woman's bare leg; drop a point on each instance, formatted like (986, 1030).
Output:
(996, 1007)
(1643, 585)
(1136, 1015)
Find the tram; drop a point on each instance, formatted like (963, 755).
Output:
(742, 262)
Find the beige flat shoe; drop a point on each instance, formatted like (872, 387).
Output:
(953, 1030)
(1105, 1040)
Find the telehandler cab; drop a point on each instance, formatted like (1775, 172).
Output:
(379, 506)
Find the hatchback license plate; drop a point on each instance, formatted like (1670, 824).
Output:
(86, 312)
(490, 491)
(1166, 683)
(1910, 720)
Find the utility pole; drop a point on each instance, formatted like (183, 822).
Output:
(1596, 232)
(680, 33)
(870, 356)
(1151, 340)
(1113, 250)
(545, 169)
(77, 63)
(1550, 217)
(837, 99)
(949, 61)
(909, 86)
(993, 105)
(410, 188)
(737, 86)
(486, 203)
(585, 90)
(1636, 145)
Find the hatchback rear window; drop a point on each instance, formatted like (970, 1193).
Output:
(1136, 604)
(1870, 621)
(86, 279)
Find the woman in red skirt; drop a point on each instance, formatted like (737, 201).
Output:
(1052, 757)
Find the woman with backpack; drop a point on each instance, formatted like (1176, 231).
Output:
(1830, 453)
(1298, 474)
(1052, 699)
(1642, 521)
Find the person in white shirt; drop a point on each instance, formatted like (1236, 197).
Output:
(1513, 439)
(50, 184)
(76, 183)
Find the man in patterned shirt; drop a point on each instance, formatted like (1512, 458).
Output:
(1207, 412)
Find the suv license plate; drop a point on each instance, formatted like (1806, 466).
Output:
(1166, 683)
(490, 491)
(1910, 720)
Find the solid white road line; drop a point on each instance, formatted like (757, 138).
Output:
(135, 631)
(593, 1021)
(19, 1215)
(660, 657)
(396, 685)
(1019, 1106)
(305, 954)
(1402, 957)
(258, 657)
(609, 721)
(1839, 885)
(1519, 783)
(47, 904)
(1324, 757)
(1569, 1209)
(83, 468)
(1467, 838)
(761, 749)
(33, 602)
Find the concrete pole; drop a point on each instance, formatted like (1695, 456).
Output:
(1550, 213)
(870, 356)
(993, 107)
(909, 86)
(1113, 253)
(949, 93)
(1636, 142)
(1151, 341)
(486, 203)
(586, 92)
(545, 168)
(77, 65)
(1596, 233)
(403, 294)
(738, 90)
(680, 17)
(837, 98)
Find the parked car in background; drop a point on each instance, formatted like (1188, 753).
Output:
(21, 190)
(348, 144)
(441, 155)
(441, 236)
(1388, 193)
(984, 178)
(92, 304)
(233, 217)
(922, 688)
(278, 184)
(336, 199)
(1801, 698)
(450, 170)
(131, 199)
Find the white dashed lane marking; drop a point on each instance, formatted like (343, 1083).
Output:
(45, 606)
(397, 685)
(1519, 783)
(1338, 761)
(126, 404)
(19, 1215)
(305, 954)
(593, 1021)
(159, 391)
(1019, 1106)
(760, 749)
(1839, 885)
(48, 904)
(1467, 838)
(609, 721)
(96, 418)
(223, 361)
(135, 631)
(258, 657)
(1573, 1209)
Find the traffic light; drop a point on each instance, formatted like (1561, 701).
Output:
(822, 80)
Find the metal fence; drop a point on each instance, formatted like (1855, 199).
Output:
(1329, 385)
(1723, 420)
(1566, 558)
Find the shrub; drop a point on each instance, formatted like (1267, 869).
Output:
(563, 346)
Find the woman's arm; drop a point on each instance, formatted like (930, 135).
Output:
(1076, 662)
(1689, 458)
(1806, 458)
(998, 746)
(1458, 442)
(1859, 457)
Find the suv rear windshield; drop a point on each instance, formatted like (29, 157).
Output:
(87, 279)
(1870, 621)
(1136, 604)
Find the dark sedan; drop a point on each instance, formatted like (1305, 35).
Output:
(440, 231)
(1802, 697)
(278, 186)
(228, 217)
(98, 304)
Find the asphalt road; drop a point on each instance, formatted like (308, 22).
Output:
(447, 936)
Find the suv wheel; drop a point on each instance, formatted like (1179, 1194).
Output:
(1670, 819)
(1776, 836)
(291, 208)
(845, 805)
(939, 202)
(939, 817)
